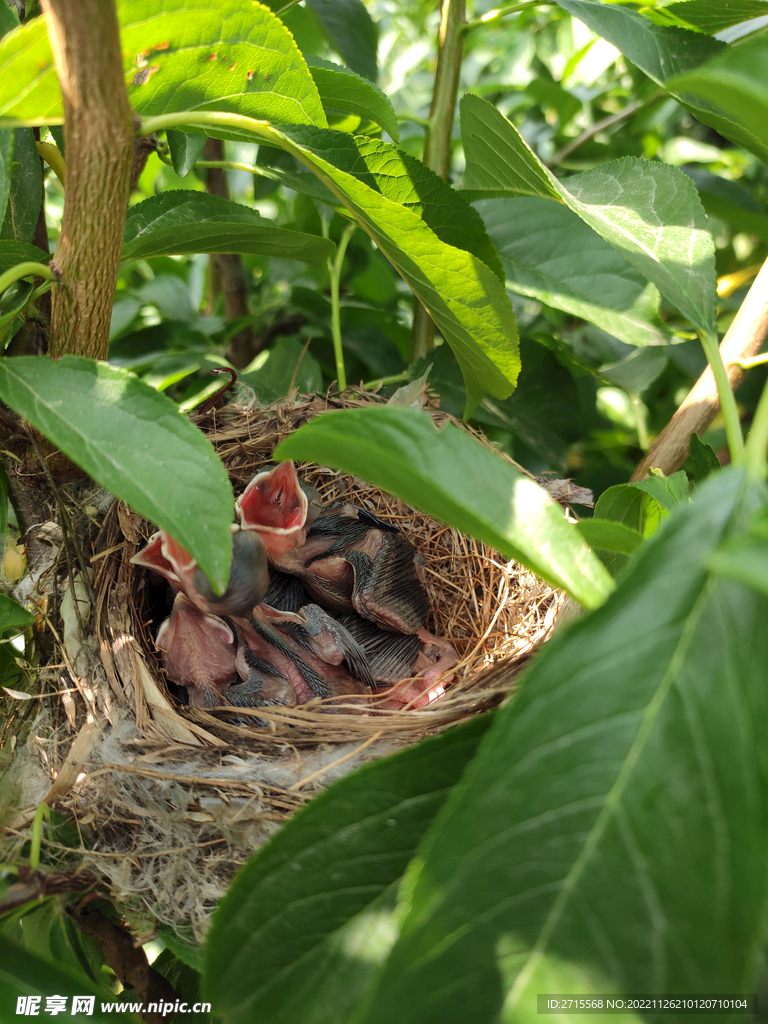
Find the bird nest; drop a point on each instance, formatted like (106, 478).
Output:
(170, 799)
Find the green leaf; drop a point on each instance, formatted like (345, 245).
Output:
(713, 16)
(702, 459)
(606, 535)
(23, 973)
(12, 615)
(234, 56)
(734, 83)
(341, 89)
(185, 150)
(267, 949)
(550, 254)
(624, 503)
(177, 222)
(450, 476)
(418, 223)
(12, 253)
(649, 212)
(352, 31)
(7, 139)
(134, 442)
(550, 847)
(26, 193)
(669, 491)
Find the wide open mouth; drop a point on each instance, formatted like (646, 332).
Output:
(273, 501)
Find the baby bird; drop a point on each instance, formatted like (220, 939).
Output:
(346, 558)
(248, 575)
(198, 652)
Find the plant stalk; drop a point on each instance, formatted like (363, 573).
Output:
(334, 269)
(21, 270)
(99, 132)
(437, 144)
(726, 397)
(742, 340)
(757, 441)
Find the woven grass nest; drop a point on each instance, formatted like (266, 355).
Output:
(170, 800)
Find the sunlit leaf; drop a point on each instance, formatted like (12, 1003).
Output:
(649, 212)
(180, 55)
(341, 89)
(549, 253)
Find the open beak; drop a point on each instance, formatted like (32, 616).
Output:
(275, 506)
(152, 556)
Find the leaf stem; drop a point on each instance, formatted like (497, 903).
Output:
(640, 424)
(725, 394)
(21, 270)
(501, 12)
(757, 440)
(42, 811)
(334, 269)
(395, 378)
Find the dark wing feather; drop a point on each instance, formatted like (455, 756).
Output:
(388, 590)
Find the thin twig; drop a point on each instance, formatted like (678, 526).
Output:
(595, 129)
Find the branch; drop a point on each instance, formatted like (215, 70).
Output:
(742, 340)
(98, 132)
(437, 145)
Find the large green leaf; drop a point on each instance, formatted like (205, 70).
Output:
(418, 223)
(134, 442)
(450, 476)
(177, 222)
(735, 83)
(649, 212)
(627, 778)
(352, 31)
(713, 16)
(343, 90)
(179, 55)
(280, 930)
(665, 53)
(550, 254)
(26, 193)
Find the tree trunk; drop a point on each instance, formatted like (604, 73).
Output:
(99, 129)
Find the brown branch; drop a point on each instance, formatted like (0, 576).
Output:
(98, 132)
(227, 273)
(742, 340)
(437, 144)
